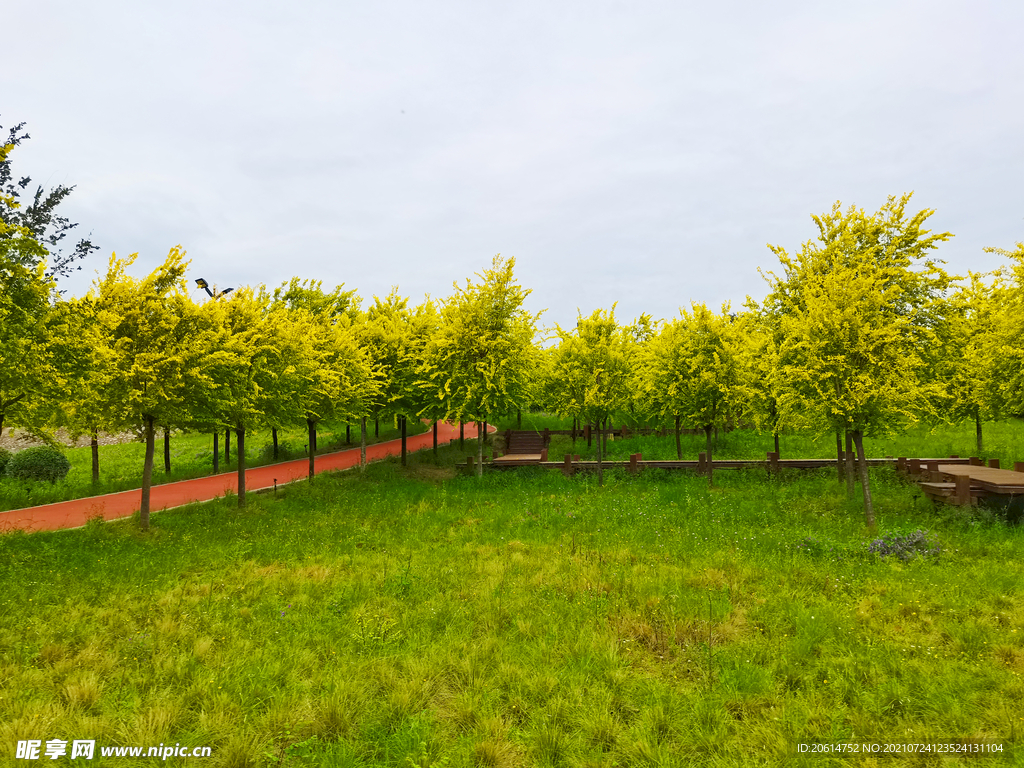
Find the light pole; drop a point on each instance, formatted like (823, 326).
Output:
(214, 294)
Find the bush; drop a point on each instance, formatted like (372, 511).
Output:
(40, 463)
(5, 456)
(905, 547)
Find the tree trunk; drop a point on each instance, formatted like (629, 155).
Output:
(977, 427)
(462, 434)
(376, 427)
(840, 469)
(519, 418)
(401, 420)
(479, 450)
(311, 425)
(435, 441)
(707, 434)
(94, 443)
(240, 447)
(590, 435)
(869, 511)
(362, 444)
(604, 435)
(348, 434)
(600, 460)
(147, 473)
(679, 445)
(227, 446)
(273, 434)
(850, 482)
(167, 450)
(575, 421)
(777, 444)
(216, 451)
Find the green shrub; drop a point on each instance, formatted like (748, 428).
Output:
(5, 456)
(41, 463)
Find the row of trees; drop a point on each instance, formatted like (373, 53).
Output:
(140, 354)
(861, 332)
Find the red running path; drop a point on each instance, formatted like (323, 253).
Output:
(111, 506)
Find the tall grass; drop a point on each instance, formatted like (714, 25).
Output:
(415, 617)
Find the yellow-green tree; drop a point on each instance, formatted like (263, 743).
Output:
(698, 370)
(252, 360)
(25, 297)
(591, 373)
(149, 339)
(965, 366)
(1004, 349)
(858, 307)
(478, 362)
(332, 374)
(78, 372)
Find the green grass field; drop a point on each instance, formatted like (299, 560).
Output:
(419, 617)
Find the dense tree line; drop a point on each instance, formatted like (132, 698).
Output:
(861, 332)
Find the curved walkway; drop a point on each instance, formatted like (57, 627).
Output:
(111, 506)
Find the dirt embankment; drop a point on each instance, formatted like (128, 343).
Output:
(14, 439)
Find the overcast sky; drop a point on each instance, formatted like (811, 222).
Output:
(640, 152)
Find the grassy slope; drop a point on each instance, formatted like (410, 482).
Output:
(526, 619)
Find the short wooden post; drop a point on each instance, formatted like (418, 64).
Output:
(1018, 466)
(773, 462)
(586, 433)
(576, 458)
(933, 472)
(567, 465)
(914, 466)
(962, 496)
(470, 462)
(993, 463)
(702, 462)
(544, 454)
(976, 462)
(633, 466)
(901, 464)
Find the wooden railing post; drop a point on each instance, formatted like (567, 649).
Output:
(993, 463)
(976, 462)
(773, 462)
(567, 465)
(901, 464)
(962, 496)
(633, 465)
(1018, 466)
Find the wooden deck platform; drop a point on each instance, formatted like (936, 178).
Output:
(967, 484)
